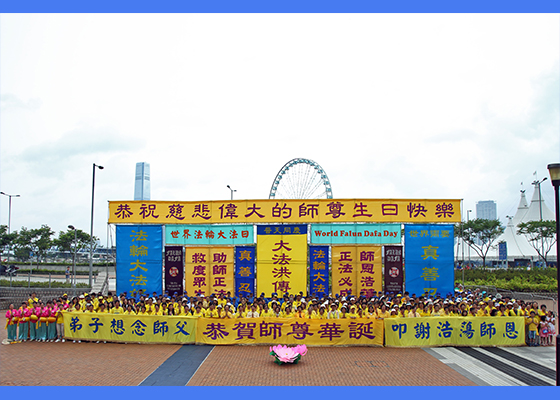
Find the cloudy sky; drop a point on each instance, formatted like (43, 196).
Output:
(391, 106)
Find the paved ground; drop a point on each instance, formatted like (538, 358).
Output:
(92, 364)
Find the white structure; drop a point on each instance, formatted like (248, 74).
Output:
(517, 245)
(142, 181)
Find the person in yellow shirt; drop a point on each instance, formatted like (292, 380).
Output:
(353, 313)
(117, 309)
(102, 309)
(212, 312)
(32, 298)
(129, 310)
(383, 312)
(288, 313)
(532, 322)
(198, 313)
(228, 312)
(300, 312)
(253, 313)
(60, 323)
(413, 313)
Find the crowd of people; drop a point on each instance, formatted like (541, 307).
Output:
(39, 321)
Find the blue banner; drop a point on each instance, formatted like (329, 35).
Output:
(139, 259)
(502, 251)
(209, 235)
(319, 271)
(428, 259)
(356, 233)
(245, 271)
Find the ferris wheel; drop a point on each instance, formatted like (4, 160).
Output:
(301, 178)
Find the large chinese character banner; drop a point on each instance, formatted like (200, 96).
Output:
(290, 331)
(209, 270)
(221, 270)
(281, 259)
(197, 275)
(369, 270)
(174, 270)
(356, 270)
(394, 277)
(285, 211)
(129, 328)
(245, 271)
(454, 331)
(343, 270)
(356, 234)
(139, 259)
(209, 235)
(428, 259)
(319, 271)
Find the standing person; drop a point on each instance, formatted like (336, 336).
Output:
(60, 323)
(11, 323)
(33, 321)
(533, 322)
(51, 321)
(24, 314)
(68, 273)
(42, 324)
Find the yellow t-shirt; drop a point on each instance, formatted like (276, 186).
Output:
(532, 322)
(117, 310)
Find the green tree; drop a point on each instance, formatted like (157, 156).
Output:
(6, 239)
(65, 240)
(479, 234)
(36, 240)
(541, 235)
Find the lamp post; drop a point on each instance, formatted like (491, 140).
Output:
(554, 170)
(71, 227)
(231, 191)
(91, 230)
(469, 247)
(537, 183)
(10, 217)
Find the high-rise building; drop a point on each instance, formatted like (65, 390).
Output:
(486, 210)
(142, 181)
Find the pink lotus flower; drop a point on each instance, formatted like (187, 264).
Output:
(301, 349)
(285, 354)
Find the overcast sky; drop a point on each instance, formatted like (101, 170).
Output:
(391, 106)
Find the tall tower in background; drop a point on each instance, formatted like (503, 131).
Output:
(142, 181)
(486, 210)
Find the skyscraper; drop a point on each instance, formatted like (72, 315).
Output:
(142, 181)
(486, 210)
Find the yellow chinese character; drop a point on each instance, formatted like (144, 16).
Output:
(434, 233)
(444, 233)
(245, 271)
(318, 264)
(430, 274)
(136, 251)
(139, 280)
(245, 255)
(430, 251)
(137, 264)
(138, 236)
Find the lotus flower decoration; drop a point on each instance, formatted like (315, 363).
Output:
(288, 355)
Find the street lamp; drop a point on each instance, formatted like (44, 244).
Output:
(469, 247)
(10, 217)
(554, 170)
(231, 191)
(91, 230)
(538, 184)
(71, 227)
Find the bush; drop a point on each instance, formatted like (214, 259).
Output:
(517, 280)
(6, 283)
